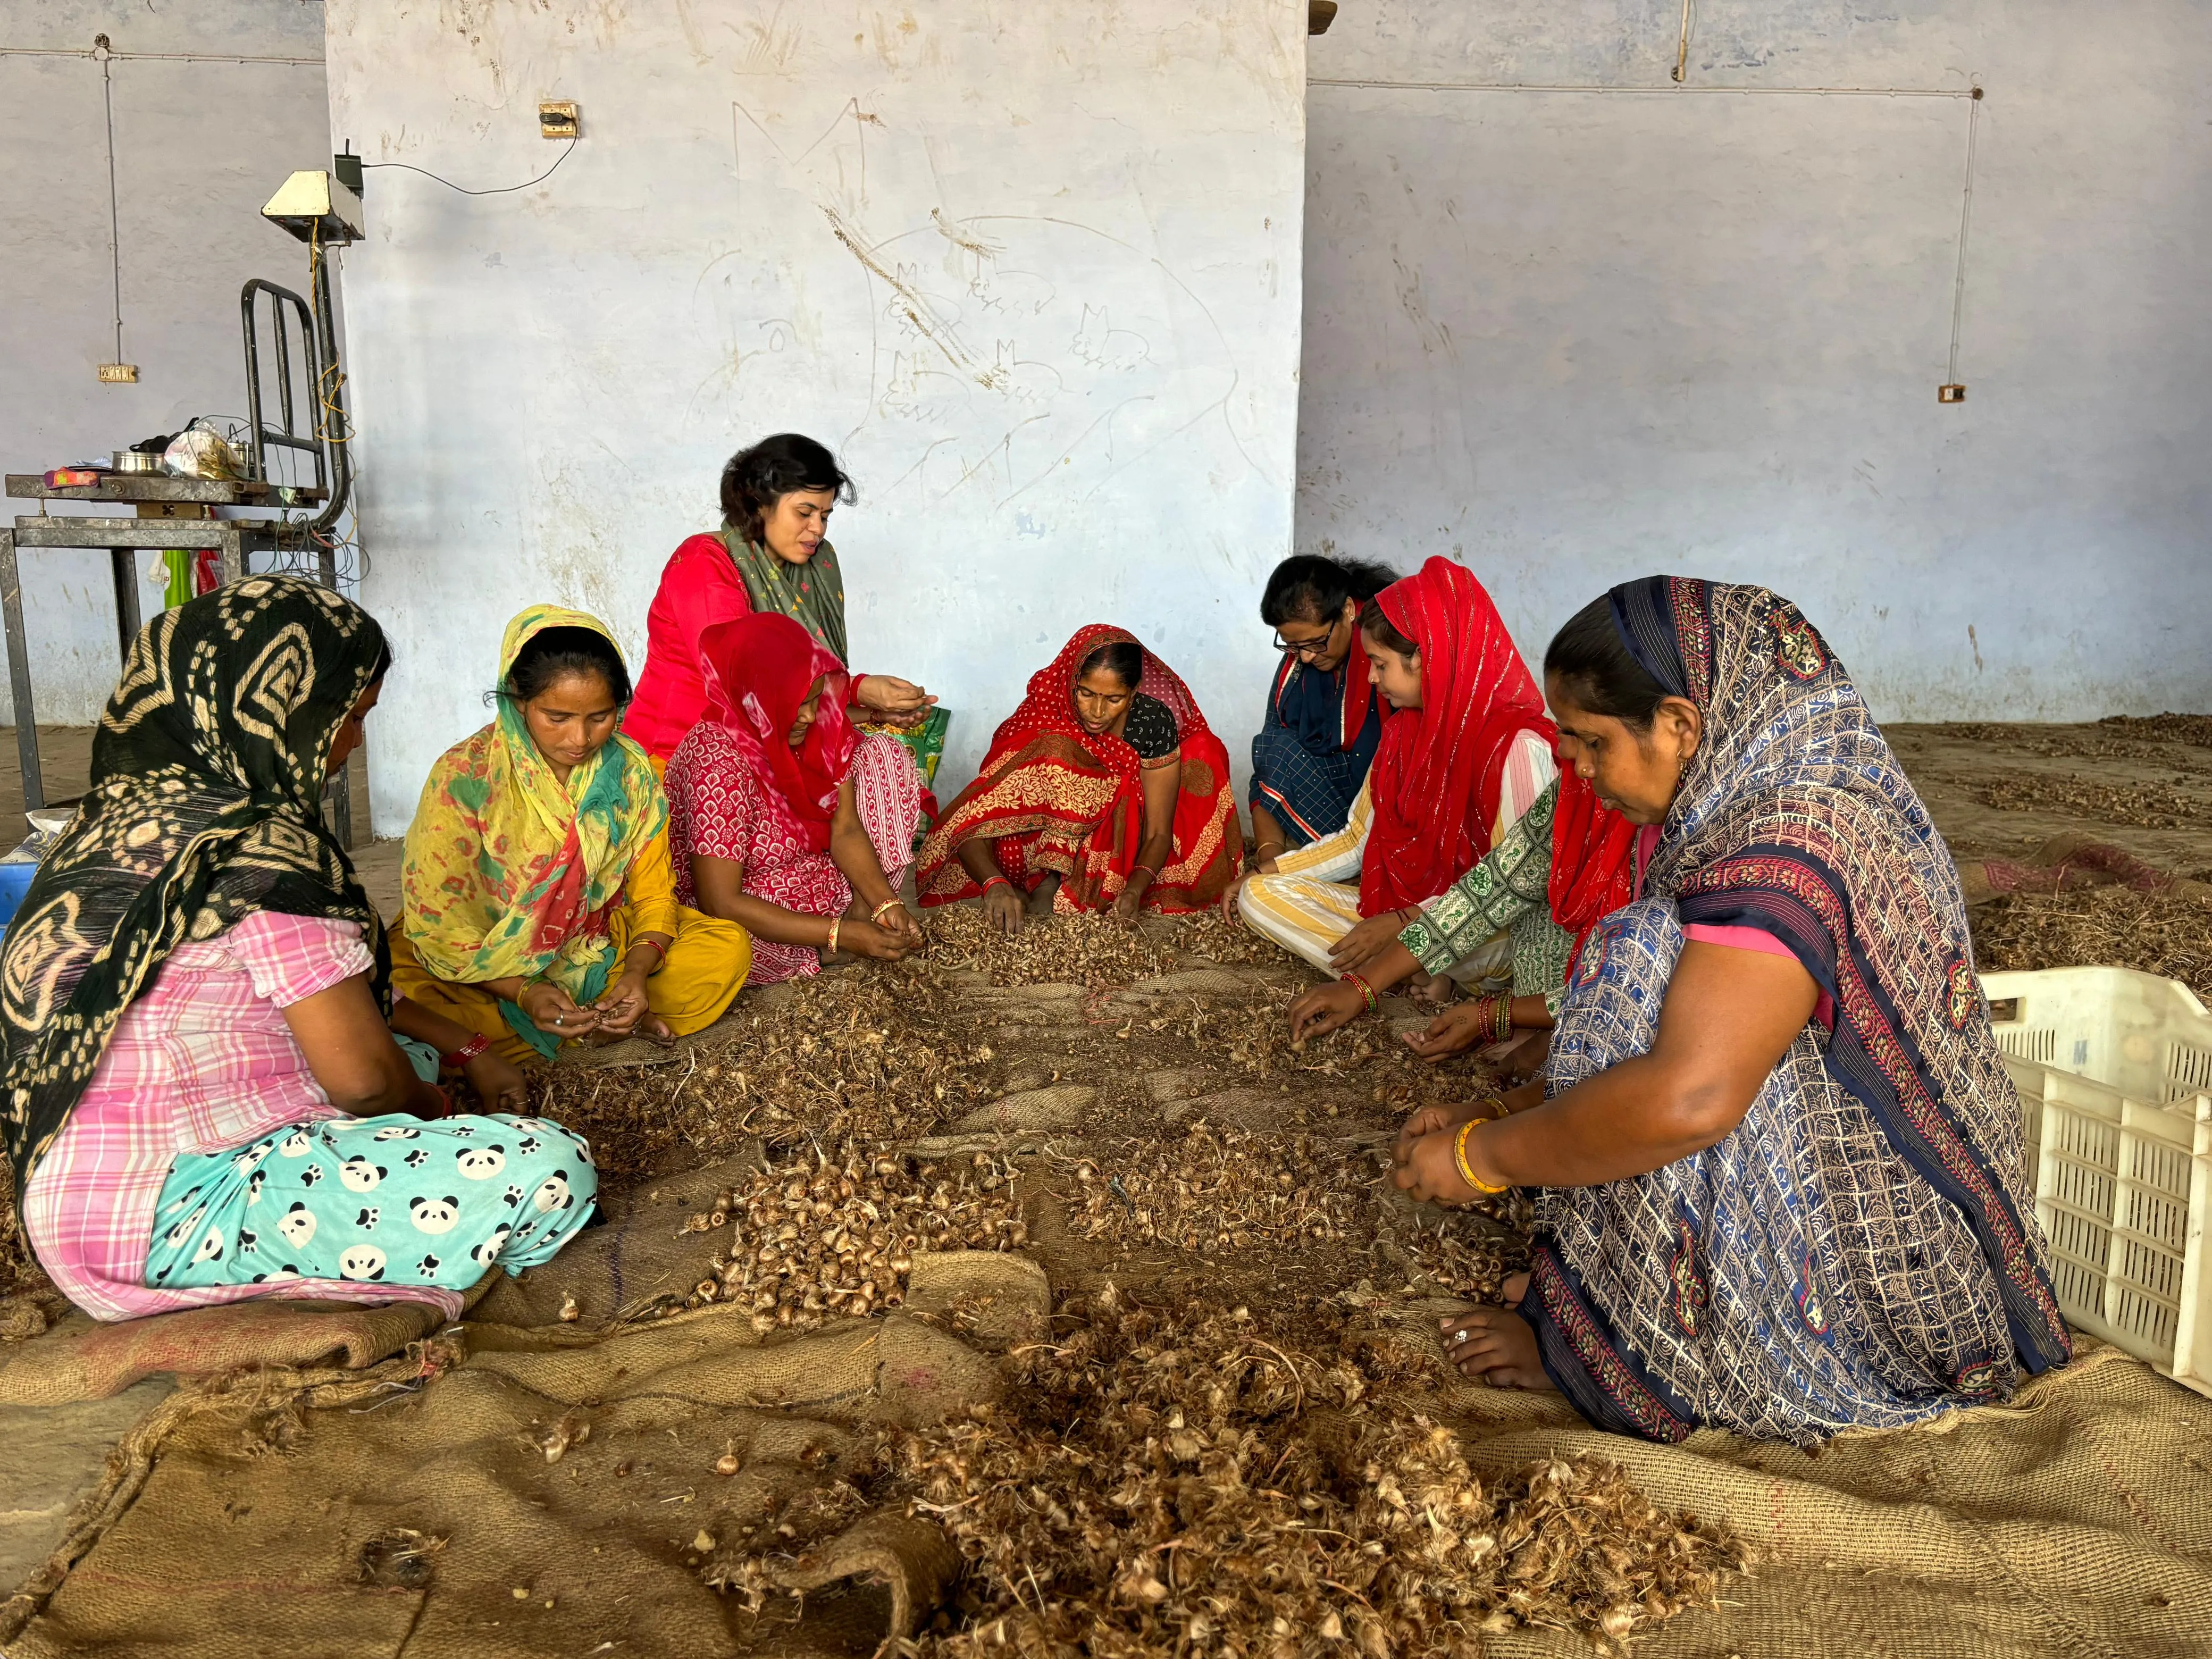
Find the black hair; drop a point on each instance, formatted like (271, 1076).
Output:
(1381, 630)
(553, 653)
(383, 662)
(1599, 671)
(1308, 588)
(1123, 659)
(753, 480)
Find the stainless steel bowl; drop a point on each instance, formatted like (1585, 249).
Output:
(136, 460)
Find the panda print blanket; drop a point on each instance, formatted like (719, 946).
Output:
(386, 1201)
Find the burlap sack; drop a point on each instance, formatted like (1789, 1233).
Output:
(2076, 1520)
(391, 1514)
(638, 1256)
(81, 1359)
(1064, 1106)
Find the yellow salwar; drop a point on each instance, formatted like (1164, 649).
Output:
(705, 968)
(516, 872)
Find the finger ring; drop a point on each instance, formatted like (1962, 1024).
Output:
(1459, 1335)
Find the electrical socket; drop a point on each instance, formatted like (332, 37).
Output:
(118, 374)
(1954, 393)
(559, 121)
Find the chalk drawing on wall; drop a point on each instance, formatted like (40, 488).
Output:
(1026, 357)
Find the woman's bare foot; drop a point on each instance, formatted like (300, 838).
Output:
(1496, 1344)
(1432, 988)
(1040, 897)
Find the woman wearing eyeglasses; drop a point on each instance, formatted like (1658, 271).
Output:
(1466, 752)
(1323, 720)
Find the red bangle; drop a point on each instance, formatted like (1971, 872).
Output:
(987, 880)
(1367, 996)
(478, 1044)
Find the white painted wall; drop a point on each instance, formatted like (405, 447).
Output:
(199, 146)
(1575, 337)
(1033, 271)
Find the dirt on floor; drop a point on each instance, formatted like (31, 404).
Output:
(2003, 791)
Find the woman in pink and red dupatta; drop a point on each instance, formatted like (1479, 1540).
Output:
(1104, 790)
(783, 818)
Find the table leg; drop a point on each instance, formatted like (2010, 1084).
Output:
(230, 560)
(337, 794)
(127, 621)
(19, 673)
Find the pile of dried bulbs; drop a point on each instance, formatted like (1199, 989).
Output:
(1207, 1188)
(1076, 949)
(863, 1056)
(1176, 1483)
(807, 1245)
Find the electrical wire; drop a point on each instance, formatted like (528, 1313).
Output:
(500, 190)
(1965, 224)
(1715, 89)
(115, 207)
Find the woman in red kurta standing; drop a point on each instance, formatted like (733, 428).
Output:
(772, 553)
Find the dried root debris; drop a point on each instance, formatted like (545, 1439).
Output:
(2166, 934)
(1207, 935)
(1169, 1483)
(1057, 950)
(2153, 806)
(867, 1056)
(1217, 1189)
(838, 1240)
(2162, 740)
(2176, 728)
(29, 1303)
(1253, 1033)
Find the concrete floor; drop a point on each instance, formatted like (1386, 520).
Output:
(49, 1458)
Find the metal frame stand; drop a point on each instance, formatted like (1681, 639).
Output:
(234, 540)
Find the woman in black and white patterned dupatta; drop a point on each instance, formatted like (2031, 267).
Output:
(1782, 1185)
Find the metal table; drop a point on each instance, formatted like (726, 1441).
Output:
(235, 541)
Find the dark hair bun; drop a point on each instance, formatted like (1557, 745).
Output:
(753, 480)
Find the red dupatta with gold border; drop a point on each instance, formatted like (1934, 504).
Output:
(1060, 800)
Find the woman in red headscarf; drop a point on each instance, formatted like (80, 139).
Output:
(1467, 756)
(1105, 790)
(783, 818)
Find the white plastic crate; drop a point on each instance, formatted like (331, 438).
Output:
(2114, 1070)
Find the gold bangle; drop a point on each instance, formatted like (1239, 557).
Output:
(832, 945)
(876, 915)
(1459, 1157)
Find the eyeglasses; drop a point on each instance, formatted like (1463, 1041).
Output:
(1307, 650)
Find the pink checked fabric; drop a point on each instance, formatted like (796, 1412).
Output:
(719, 805)
(202, 1061)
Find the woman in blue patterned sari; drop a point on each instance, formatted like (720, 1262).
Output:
(1779, 1161)
(1323, 722)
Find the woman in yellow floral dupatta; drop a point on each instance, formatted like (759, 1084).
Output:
(539, 905)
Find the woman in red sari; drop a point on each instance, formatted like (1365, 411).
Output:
(783, 818)
(1105, 790)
